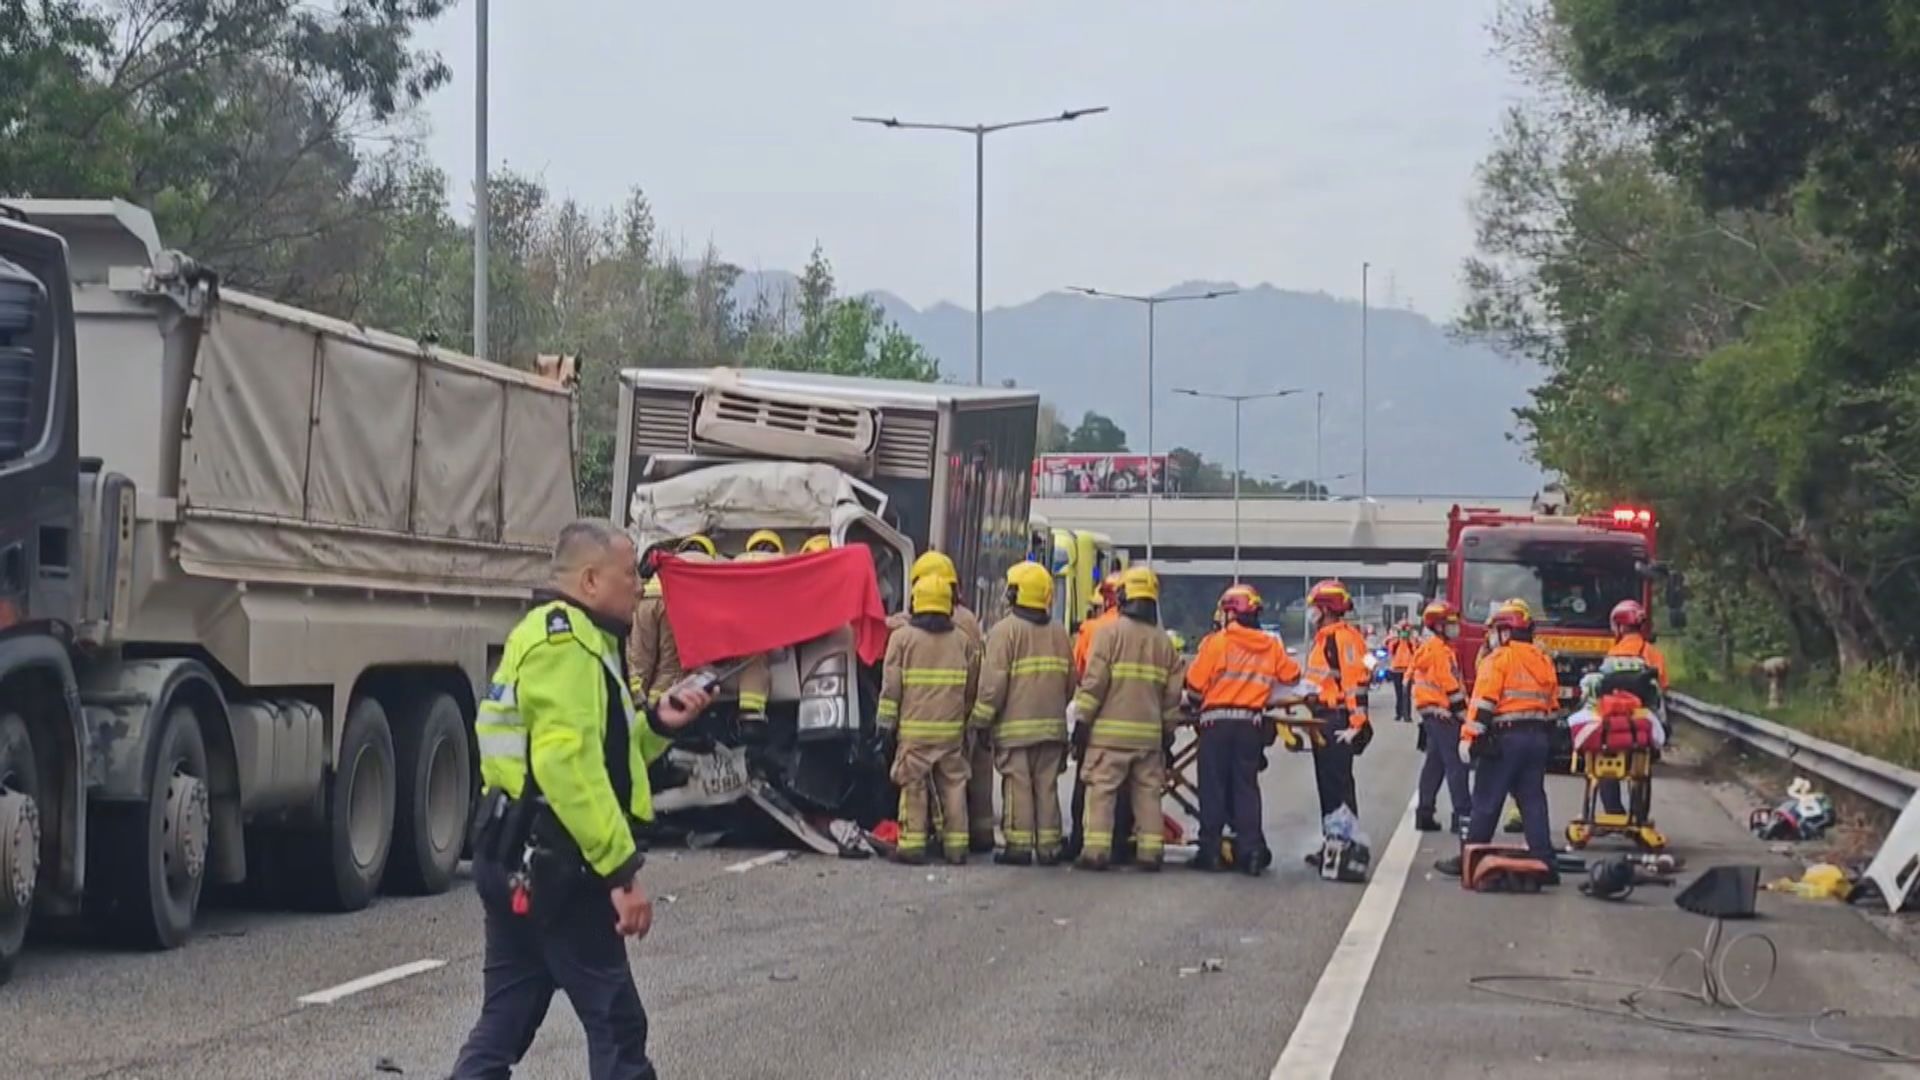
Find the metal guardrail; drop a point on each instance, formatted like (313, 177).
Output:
(1889, 785)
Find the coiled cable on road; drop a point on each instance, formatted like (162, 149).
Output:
(1714, 990)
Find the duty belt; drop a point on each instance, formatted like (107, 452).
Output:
(1519, 720)
(1208, 716)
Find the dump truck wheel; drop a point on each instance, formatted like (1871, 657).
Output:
(360, 798)
(434, 794)
(151, 857)
(19, 837)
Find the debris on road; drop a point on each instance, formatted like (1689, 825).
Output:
(1805, 814)
(387, 1065)
(1209, 966)
(1822, 881)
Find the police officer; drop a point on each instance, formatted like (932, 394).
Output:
(927, 686)
(563, 756)
(1239, 672)
(1507, 736)
(1025, 679)
(1129, 699)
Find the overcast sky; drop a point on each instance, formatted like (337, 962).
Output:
(1282, 141)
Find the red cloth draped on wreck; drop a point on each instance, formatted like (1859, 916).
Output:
(720, 611)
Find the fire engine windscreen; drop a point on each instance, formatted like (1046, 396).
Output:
(1568, 587)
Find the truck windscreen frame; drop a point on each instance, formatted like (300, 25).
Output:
(1574, 594)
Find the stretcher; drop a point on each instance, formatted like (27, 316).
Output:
(1620, 745)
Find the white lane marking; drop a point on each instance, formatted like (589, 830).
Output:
(368, 982)
(1321, 1034)
(758, 861)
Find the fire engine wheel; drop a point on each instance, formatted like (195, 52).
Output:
(19, 838)
(433, 794)
(152, 856)
(360, 799)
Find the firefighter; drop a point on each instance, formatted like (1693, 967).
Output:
(1631, 637)
(653, 656)
(1077, 751)
(563, 755)
(1239, 672)
(1506, 736)
(1129, 701)
(1340, 667)
(754, 684)
(926, 695)
(979, 758)
(1441, 700)
(698, 542)
(817, 543)
(1025, 680)
(1399, 659)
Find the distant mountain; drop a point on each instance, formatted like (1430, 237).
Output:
(1441, 416)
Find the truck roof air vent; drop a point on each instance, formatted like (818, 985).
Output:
(786, 426)
(662, 422)
(906, 446)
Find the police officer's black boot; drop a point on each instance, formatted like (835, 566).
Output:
(1255, 862)
(1426, 822)
(1449, 866)
(1207, 857)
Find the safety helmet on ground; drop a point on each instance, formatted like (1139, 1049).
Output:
(1030, 585)
(1628, 615)
(1140, 583)
(934, 564)
(1512, 615)
(932, 596)
(816, 543)
(700, 542)
(1331, 597)
(766, 540)
(1240, 600)
(1439, 615)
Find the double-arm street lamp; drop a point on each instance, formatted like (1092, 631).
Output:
(979, 133)
(1150, 303)
(1237, 400)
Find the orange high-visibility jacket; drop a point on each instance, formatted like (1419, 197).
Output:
(1635, 645)
(1435, 676)
(1517, 682)
(1237, 671)
(1083, 641)
(1337, 664)
(1400, 654)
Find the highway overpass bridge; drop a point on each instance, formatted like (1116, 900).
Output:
(1375, 545)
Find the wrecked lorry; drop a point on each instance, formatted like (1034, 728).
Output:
(896, 468)
(255, 566)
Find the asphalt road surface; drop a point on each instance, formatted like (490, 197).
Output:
(761, 965)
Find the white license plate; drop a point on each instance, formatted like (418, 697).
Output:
(722, 774)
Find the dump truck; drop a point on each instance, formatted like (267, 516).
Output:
(898, 467)
(255, 568)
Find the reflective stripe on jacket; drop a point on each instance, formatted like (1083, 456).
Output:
(1517, 682)
(1241, 670)
(1435, 676)
(927, 685)
(1128, 690)
(558, 685)
(1635, 645)
(1025, 679)
(1337, 665)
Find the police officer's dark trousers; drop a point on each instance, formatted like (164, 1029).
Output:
(1230, 753)
(1402, 696)
(1515, 763)
(574, 949)
(1443, 762)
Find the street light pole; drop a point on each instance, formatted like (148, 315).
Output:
(482, 198)
(1237, 400)
(1365, 404)
(1151, 302)
(1319, 410)
(979, 133)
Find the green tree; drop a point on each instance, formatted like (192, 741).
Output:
(1096, 435)
(832, 334)
(1053, 435)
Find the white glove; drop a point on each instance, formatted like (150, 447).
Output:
(1073, 714)
(1346, 735)
(1473, 728)
(1466, 752)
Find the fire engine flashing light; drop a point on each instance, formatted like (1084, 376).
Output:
(1628, 517)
